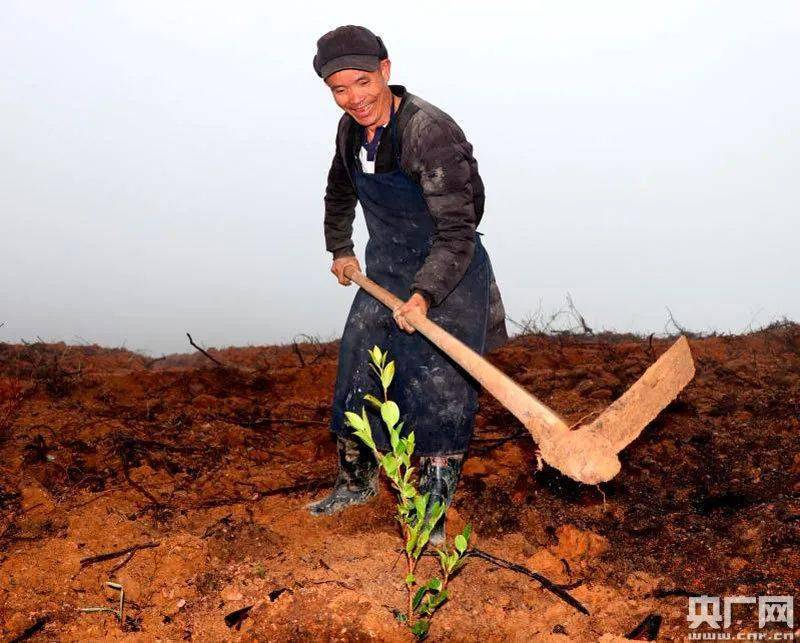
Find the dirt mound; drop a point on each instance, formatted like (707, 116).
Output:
(184, 482)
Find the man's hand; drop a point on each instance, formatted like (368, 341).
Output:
(340, 264)
(416, 302)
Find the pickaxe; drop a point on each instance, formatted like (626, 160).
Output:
(589, 453)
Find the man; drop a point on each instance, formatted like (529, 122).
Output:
(411, 168)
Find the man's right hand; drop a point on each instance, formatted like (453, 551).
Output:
(340, 264)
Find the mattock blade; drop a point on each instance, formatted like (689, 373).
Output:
(624, 420)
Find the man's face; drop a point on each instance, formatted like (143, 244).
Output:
(365, 95)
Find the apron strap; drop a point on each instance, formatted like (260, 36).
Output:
(393, 131)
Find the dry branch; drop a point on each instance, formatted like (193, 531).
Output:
(213, 359)
(546, 583)
(678, 326)
(91, 560)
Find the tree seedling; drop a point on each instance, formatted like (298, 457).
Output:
(415, 517)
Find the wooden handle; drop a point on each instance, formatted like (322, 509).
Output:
(588, 455)
(540, 420)
(589, 460)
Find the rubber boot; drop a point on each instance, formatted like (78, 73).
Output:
(356, 483)
(439, 475)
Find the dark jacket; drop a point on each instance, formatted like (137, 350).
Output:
(435, 153)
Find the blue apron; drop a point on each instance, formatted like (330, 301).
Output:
(437, 398)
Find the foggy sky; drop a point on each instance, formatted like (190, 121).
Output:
(162, 164)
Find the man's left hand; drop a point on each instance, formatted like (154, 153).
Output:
(415, 302)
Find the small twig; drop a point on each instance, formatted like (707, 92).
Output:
(334, 580)
(139, 487)
(558, 590)
(671, 319)
(321, 350)
(216, 361)
(116, 554)
(522, 327)
(119, 566)
(117, 612)
(271, 420)
(586, 329)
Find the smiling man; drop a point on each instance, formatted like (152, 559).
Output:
(411, 168)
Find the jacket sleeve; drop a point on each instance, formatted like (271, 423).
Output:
(439, 159)
(340, 204)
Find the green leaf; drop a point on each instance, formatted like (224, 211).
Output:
(388, 375)
(389, 463)
(425, 609)
(436, 512)
(443, 560)
(353, 419)
(390, 413)
(410, 579)
(452, 560)
(420, 504)
(422, 540)
(362, 427)
(383, 358)
(420, 628)
(365, 420)
(413, 534)
(373, 400)
(364, 432)
(366, 438)
(461, 543)
(410, 442)
(375, 355)
(437, 600)
(418, 595)
(433, 585)
(467, 532)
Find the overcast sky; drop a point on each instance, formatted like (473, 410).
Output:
(162, 163)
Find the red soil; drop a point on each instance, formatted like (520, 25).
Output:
(102, 449)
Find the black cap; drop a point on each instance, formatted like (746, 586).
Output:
(348, 47)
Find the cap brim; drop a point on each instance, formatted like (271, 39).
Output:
(351, 61)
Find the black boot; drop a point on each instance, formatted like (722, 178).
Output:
(357, 481)
(439, 475)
